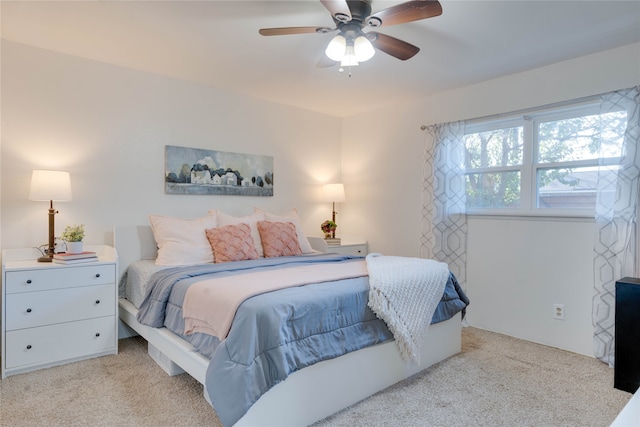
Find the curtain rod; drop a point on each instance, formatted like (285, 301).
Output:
(530, 110)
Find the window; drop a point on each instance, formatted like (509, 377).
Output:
(542, 163)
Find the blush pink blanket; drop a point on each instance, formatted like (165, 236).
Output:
(210, 305)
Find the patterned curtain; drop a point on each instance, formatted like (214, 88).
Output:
(444, 229)
(616, 222)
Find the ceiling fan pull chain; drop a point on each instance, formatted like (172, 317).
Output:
(341, 69)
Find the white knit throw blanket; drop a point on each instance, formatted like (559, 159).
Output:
(404, 292)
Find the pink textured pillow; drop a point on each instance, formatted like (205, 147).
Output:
(232, 243)
(225, 219)
(292, 217)
(279, 239)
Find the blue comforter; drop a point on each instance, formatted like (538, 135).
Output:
(276, 333)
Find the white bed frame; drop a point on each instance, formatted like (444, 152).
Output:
(306, 396)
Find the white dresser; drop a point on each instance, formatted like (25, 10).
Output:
(346, 247)
(54, 314)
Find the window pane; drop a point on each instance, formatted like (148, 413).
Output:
(501, 147)
(578, 138)
(573, 187)
(493, 190)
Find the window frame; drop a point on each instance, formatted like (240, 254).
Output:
(531, 165)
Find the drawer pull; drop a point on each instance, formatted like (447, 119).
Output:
(97, 301)
(28, 281)
(28, 310)
(97, 334)
(29, 347)
(97, 275)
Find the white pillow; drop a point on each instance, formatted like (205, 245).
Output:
(182, 241)
(251, 220)
(291, 216)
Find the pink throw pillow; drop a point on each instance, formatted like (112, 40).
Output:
(279, 239)
(251, 220)
(232, 243)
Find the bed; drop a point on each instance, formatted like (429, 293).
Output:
(307, 394)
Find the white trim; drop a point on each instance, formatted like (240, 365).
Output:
(516, 217)
(527, 112)
(480, 126)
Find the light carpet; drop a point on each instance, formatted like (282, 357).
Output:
(495, 381)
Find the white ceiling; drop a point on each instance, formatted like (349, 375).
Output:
(217, 43)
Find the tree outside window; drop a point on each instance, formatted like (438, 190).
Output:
(542, 162)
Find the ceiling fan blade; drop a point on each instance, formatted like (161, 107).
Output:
(392, 46)
(405, 12)
(339, 9)
(293, 30)
(325, 62)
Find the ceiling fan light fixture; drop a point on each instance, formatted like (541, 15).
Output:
(349, 59)
(363, 48)
(337, 48)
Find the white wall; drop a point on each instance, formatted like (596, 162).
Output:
(517, 269)
(108, 126)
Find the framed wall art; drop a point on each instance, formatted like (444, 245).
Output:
(200, 171)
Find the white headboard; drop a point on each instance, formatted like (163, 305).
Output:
(133, 243)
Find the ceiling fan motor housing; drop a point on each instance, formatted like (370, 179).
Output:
(360, 9)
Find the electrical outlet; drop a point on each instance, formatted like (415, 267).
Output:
(558, 311)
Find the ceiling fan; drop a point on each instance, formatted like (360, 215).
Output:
(352, 45)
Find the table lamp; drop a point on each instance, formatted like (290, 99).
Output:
(333, 193)
(47, 185)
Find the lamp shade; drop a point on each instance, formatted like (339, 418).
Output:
(363, 49)
(49, 185)
(350, 52)
(333, 193)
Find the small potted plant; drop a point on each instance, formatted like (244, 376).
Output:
(328, 228)
(73, 235)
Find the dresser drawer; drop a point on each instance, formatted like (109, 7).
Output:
(56, 278)
(57, 343)
(29, 309)
(349, 249)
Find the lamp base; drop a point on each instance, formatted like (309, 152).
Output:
(45, 258)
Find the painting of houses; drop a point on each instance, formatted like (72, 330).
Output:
(201, 171)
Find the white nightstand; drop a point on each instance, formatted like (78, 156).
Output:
(346, 247)
(54, 314)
